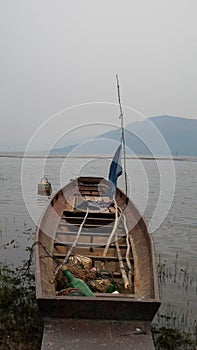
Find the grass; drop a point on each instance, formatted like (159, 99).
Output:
(20, 319)
(21, 324)
(172, 339)
(174, 328)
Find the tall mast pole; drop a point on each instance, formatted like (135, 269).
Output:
(122, 134)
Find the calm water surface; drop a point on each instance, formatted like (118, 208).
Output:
(172, 215)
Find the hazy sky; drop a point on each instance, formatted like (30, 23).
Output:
(57, 54)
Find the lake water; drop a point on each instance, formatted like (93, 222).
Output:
(165, 191)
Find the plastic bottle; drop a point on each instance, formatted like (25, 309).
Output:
(78, 283)
(112, 288)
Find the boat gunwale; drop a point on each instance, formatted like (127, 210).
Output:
(102, 297)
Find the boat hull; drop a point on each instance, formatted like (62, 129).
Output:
(141, 303)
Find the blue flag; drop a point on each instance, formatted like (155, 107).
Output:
(115, 169)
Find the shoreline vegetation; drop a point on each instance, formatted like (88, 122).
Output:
(21, 324)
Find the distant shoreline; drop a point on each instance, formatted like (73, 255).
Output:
(62, 156)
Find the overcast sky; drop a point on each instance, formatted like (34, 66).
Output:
(58, 54)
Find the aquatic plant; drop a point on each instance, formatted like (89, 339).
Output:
(20, 321)
(174, 328)
(180, 316)
(172, 339)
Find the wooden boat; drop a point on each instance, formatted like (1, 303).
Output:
(85, 204)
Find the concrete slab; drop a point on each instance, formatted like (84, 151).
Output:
(73, 334)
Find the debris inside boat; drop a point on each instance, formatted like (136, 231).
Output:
(97, 280)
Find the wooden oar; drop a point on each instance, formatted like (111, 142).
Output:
(117, 218)
(71, 249)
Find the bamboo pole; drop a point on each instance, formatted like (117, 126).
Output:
(122, 133)
(128, 252)
(121, 264)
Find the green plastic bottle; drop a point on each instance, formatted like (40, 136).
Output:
(112, 287)
(78, 284)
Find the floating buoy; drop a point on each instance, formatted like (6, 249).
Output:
(44, 187)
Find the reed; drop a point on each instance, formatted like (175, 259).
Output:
(175, 326)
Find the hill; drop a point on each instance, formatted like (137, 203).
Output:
(152, 136)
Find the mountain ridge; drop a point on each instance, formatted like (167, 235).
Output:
(159, 135)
